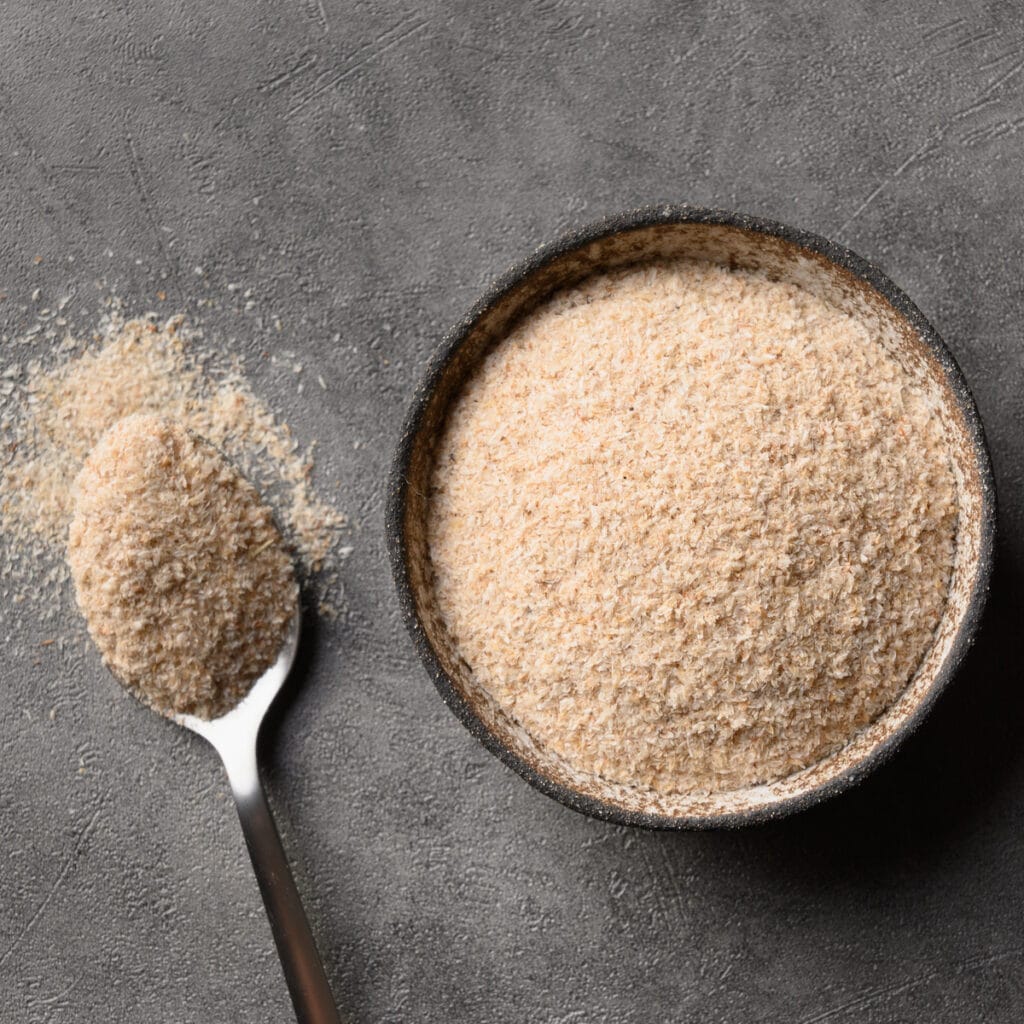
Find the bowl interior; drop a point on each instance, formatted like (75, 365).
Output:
(828, 271)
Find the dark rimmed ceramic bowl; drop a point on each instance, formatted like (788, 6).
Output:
(737, 241)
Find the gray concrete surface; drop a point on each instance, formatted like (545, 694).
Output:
(366, 169)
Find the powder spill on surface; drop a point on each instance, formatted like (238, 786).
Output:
(692, 528)
(58, 406)
(179, 569)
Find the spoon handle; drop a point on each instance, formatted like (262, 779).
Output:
(303, 971)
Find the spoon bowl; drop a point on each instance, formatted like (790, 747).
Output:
(234, 734)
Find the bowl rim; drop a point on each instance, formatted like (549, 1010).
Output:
(639, 219)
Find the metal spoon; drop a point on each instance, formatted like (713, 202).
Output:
(234, 737)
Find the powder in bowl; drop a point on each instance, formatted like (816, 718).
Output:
(691, 528)
(179, 569)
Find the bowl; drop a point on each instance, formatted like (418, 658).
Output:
(737, 241)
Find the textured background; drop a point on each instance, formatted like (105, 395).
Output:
(366, 168)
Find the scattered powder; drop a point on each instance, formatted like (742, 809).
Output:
(179, 569)
(55, 409)
(692, 528)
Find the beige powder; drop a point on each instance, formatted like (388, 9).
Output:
(692, 528)
(179, 569)
(56, 409)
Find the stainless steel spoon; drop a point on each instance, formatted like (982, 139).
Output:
(234, 737)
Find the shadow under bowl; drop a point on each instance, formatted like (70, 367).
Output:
(736, 241)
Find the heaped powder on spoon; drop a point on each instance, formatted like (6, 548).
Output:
(692, 528)
(54, 410)
(179, 569)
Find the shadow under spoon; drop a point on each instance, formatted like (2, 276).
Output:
(234, 737)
